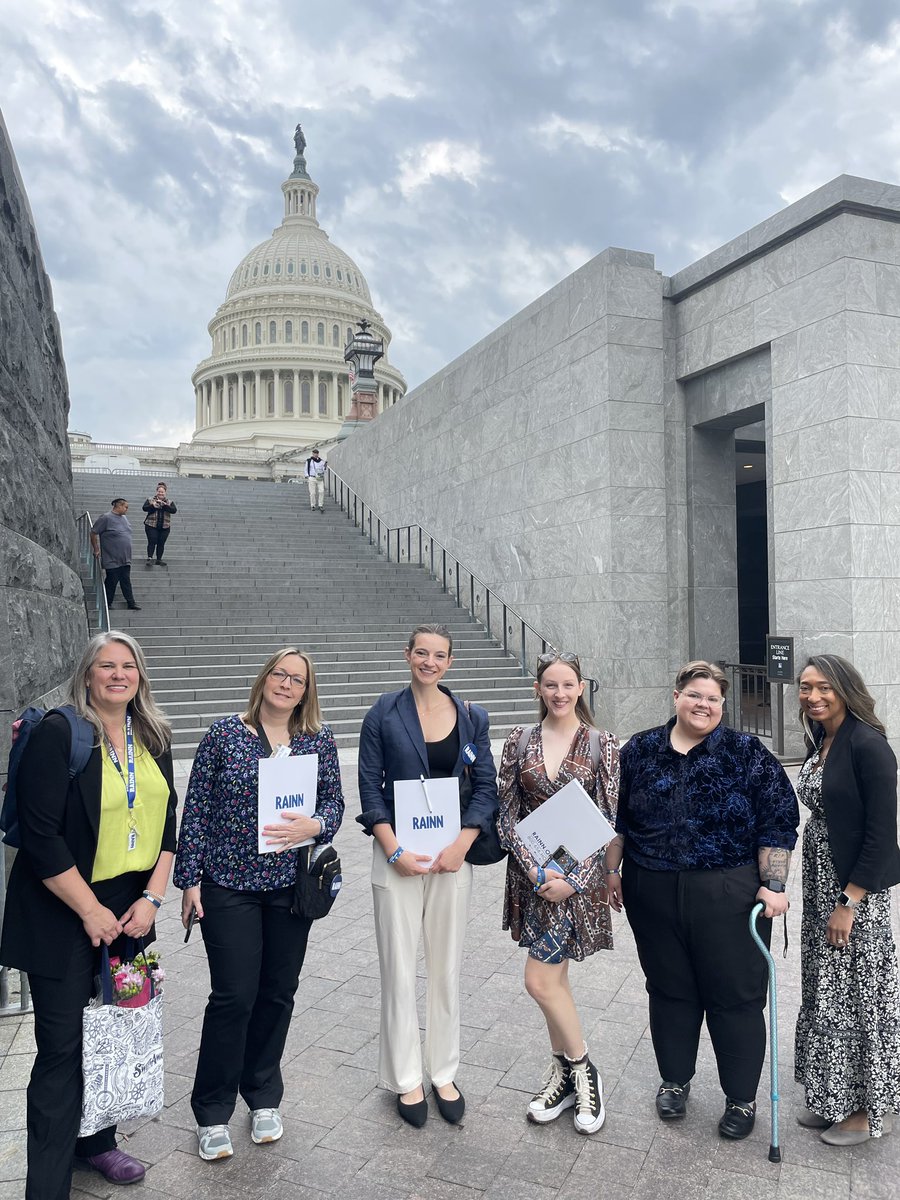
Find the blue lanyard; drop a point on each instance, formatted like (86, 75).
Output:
(130, 782)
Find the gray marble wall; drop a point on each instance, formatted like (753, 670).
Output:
(823, 308)
(42, 617)
(537, 457)
(581, 459)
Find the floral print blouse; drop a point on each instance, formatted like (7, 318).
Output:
(218, 839)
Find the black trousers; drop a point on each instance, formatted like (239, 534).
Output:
(54, 1093)
(692, 934)
(255, 949)
(156, 540)
(122, 577)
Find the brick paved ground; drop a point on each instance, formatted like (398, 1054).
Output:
(344, 1138)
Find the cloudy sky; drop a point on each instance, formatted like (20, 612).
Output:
(470, 154)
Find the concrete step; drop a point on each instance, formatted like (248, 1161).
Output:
(250, 569)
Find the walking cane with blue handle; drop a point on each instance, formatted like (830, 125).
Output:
(774, 1149)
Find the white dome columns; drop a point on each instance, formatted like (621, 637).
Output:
(275, 374)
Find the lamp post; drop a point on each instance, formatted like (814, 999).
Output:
(361, 353)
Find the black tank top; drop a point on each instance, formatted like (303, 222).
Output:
(444, 755)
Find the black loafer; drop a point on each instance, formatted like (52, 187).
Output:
(671, 1100)
(450, 1110)
(738, 1119)
(414, 1114)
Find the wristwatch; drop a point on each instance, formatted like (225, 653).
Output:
(846, 902)
(774, 885)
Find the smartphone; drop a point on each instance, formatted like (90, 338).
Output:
(190, 926)
(562, 860)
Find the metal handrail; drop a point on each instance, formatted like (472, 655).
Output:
(416, 546)
(83, 525)
(750, 707)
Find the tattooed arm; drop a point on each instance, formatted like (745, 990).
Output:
(773, 866)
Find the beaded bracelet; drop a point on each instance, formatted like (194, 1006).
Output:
(613, 871)
(154, 900)
(541, 878)
(395, 856)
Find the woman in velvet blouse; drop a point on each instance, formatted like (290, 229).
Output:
(848, 1032)
(423, 730)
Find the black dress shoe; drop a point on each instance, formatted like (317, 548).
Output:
(451, 1110)
(671, 1100)
(135, 606)
(414, 1114)
(738, 1119)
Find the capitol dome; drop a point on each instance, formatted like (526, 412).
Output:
(276, 374)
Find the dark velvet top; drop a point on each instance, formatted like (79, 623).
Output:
(710, 809)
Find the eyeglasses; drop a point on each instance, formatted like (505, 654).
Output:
(552, 657)
(712, 701)
(280, 676)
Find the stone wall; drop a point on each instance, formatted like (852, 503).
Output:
(811, 300)
(538, 459)
(581, 459)
(42, 617)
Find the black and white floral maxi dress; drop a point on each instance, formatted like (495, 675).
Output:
(847, 1046)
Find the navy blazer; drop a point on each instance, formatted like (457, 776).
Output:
(59, 821)
(392, 747)
(859, 795)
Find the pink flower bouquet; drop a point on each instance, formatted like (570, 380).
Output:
(131, 981)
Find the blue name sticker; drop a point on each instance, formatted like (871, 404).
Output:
(468, 752)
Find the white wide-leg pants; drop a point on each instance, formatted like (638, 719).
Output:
(406, 908)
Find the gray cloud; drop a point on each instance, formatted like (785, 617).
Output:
(468, 155)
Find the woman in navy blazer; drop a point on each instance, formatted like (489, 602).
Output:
(423, 730)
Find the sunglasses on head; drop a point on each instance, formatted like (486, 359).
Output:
(552, 657)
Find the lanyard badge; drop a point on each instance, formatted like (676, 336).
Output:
(130, 782)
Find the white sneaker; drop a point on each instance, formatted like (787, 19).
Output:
(215, 1142)
(589, 1111)
(265, 1125)
(557, 1092)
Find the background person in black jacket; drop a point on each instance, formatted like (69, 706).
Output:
(847, 1052)
(75, 883)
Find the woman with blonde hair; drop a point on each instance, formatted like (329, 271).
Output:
(423, 732)
(847, 1054)
(96, 852)
(254, 944)
(558, 915)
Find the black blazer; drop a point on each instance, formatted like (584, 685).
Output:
(859, 794)
(59, 822)
(392, 747)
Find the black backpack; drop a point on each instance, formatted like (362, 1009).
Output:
(83, 742)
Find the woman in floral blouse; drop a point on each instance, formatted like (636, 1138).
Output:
(254, 944)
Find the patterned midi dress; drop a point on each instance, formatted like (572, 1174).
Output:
(580, 925)
(847, 1045)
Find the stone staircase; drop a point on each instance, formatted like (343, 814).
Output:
(252, 568)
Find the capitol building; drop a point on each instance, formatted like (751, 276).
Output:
(275, 382)
(276, 375)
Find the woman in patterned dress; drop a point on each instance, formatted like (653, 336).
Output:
(847, 1052)
(254, 944)
(558, 917)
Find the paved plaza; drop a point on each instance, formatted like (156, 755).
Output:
(343, 1137)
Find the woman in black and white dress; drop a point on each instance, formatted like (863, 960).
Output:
(847, 1052)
